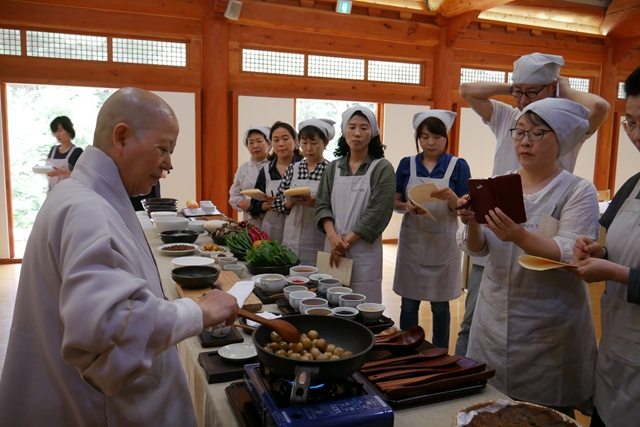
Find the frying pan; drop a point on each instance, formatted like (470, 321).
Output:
(349, 335)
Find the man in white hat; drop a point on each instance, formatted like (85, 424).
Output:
(535, 77)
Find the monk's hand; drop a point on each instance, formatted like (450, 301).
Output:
(503, 227)
(217, 307)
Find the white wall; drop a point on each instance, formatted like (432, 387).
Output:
(400, 142)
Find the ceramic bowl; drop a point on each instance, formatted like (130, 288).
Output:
(303, 270)
(320, 311)
(326, 284)
(351, 300)
(196, 225)
(333, 294)
(315, 278)
(297, 296)
(308, 303)
(191, 260)
(159, 214)
(370, 311)
(178, 236)
(220, 330)
(294, 288)
(236, 268)
(272, 283)
(195, 277)
(167, 223)
(348, 313)
(217, 255)
(177, 249)
(297, 281)
(226, 260)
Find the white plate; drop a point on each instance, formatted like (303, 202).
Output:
(162, 248)
(238, 351)
(42, 169)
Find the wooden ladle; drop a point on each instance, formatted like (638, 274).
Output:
(286, 330)
(429, 353)
(412, 338)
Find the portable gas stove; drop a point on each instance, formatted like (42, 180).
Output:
(351, 402)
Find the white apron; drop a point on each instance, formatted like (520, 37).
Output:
(534, 327)
(618, 370)
(248, 182)
(273, 221)
(349, 198)
(428, 260)
(60, 164)
(301, 233)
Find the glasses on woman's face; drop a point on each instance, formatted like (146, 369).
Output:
(529, 94)
(629, 127)
(533, 134)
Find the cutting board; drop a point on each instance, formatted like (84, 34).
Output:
(226, 280)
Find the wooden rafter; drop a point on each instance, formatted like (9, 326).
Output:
(624, 48)
(455, 27)
(621, 19)
(554, 10)
(451, 8)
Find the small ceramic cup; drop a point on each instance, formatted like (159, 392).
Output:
(294, 288)
(220, 330)
(308, 303)
(236, 268)
(352, 300)
(226, 260)
(272, 283)
(326, 284)
(320, 311)
(333, 294)
(297, 296)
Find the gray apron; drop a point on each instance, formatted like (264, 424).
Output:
(618, 370)
(301, 233)
(273, 221)
(249, 182)
(60, 164)
(349, 198)
(534, 327)
(428, 260)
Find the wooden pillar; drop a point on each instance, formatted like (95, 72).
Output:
(442, 76)
(608, 91)
(215, 161)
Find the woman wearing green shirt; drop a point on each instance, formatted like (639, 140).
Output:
(355, 201)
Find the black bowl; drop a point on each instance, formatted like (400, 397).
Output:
(179, 236)
(272, 269)
(218, 240)
(239, 255)
(195, 276)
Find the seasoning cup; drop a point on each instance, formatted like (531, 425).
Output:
(333, 294)
(308, 303)
(220, 330)
(326, 284)
(226, 260)
(352, 300)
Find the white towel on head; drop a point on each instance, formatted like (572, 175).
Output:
(265, 130)
(447, 117)
(537, 69)
(371, 117)
(325, 125)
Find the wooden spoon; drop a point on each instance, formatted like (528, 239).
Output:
(429, 353)
(437, 362)
(410, 339)
(286, 330)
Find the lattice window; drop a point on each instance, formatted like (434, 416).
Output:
(510, 78)
(264, 61)
(66, 46)
(396, 72)
(149, 52)
(9, 42)
(469, 75)
(335, 67)
(621, 94)
(579, 84)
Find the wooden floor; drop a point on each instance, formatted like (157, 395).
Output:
(9, 282)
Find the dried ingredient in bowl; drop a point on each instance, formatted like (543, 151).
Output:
(212, 247)
(310, 347)
(176, 248)
(520, 416)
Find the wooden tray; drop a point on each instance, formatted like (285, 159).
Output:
(220, 370)
(244, 408)
(226, 281)
(208, 340)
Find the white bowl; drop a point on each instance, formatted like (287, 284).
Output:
(297, 281)
(308, 303)
(352, 299)
(297, 296)
(167, 223)
(294, 288)
(226, 260)
(196, 225)
(166, 249)
(333, 294)
(348, 313)
(220, 330)
(191, 260)
(326, 284)
(42, 169)
(370, 311)
(324, 311)
(272, 283)
(217, 255)
(236, 268)
(160, 214)
(315, 278)
(303, 270)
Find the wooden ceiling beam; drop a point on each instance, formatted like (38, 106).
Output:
(451, 8)
(554, 10)
(624, 48)
(456, 26)
(621, 20)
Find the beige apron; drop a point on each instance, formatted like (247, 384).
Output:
(534, 327)
(428, 259)
(60, 164)
(301, 233)
(349, 198)
(249, 182)
(618, 370)
(273, 221)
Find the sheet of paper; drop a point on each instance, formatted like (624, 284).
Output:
(241, 290)
(548, 227)
(421, 194)
(342, 273)
(540, 264)
(254, 193)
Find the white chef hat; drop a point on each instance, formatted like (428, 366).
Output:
(447, 117)
(264, 130)
(537, 69)
(371, 117)
(566, 118)
(325, 126)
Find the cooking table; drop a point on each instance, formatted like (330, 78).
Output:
(210, 401)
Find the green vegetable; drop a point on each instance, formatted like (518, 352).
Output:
(269, 254)
(239, 241)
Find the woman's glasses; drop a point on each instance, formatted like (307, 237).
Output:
(533, 134)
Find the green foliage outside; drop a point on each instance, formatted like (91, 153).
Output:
(31, 109)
